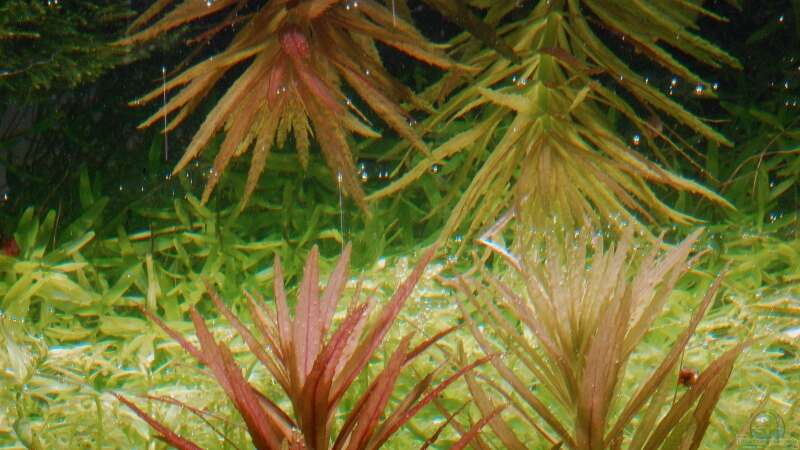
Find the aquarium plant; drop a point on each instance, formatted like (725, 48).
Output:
(315, 365)
(45, 44)
(584, 306)
(543, 133)
(298, 55)
(538, 118)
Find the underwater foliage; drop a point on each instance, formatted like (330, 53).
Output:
(587, 333)
(45, 44)
(315, 365)
(761, 178)
(539, 131)
(62, 364)
(762, 300)
(39, 280)
(586, 306)
(69, 324)
(299, 54)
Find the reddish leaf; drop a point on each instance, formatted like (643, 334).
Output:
(521, 410)
(277, 79)
(707, 381)
(516, 383)
(295, 46)
(311, 370)
(283, 421)
(470, 435)
(269, 333)
(353, 341)
(197, 412)
(252, 343)
(645, 391)
(416, 351)
(364, 351)
(334, 289)
(281, 307)
(407, 403)
(411, 412)
(171, 438)
(377, 397)
(479, 443)
(10, 247)
(175, 335)
(306, 330)
(330, 357)
(486, 406)
(262, 429)
(314, 404)
(442, 427)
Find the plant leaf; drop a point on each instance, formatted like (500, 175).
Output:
(168, 435)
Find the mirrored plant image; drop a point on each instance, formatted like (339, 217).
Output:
(300, 54)
(539, 131)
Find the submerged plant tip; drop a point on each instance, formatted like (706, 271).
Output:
(303, 55)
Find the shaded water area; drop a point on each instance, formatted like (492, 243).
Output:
(364, 224)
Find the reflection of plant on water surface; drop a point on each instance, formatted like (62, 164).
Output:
(537, 133)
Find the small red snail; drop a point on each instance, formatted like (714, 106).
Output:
(10, 247)
(687, 376)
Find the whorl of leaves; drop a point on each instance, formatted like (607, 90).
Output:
(315, 364)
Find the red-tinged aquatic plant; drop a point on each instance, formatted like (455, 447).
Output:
(315, 365)
(300, 54)
(585, 307)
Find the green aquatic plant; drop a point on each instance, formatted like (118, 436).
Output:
(66, 274)
(39, 277)
(761, 179)
(45, 382)
(760, 114)
(51, 44)
(584, 307)
(761, 300)
(541, 132)
(300, 54)
(461, 13)
(315, 365)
